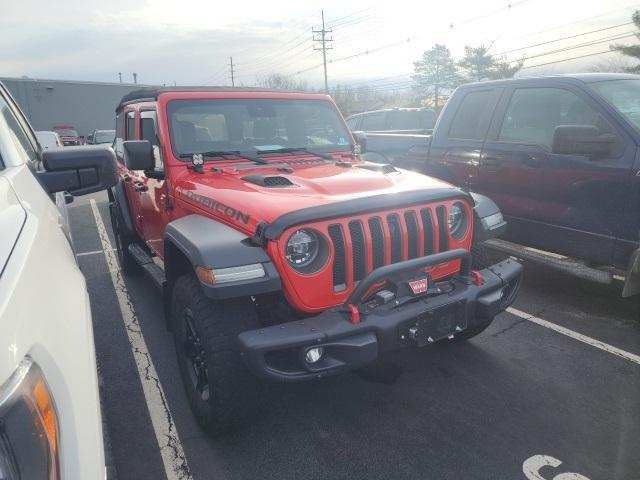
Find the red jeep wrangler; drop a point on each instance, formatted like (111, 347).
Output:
(282, 255)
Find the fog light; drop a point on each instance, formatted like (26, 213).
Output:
(314, 354)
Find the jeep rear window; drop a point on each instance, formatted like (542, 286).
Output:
(66, 132)
(215, 125)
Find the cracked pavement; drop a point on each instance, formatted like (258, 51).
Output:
(476, 410)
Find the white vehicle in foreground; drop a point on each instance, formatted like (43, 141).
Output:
(50, 419)
(49, 139)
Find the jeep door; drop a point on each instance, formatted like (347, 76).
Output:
(564, 203)
(154, 197)
(126, 130)
(457, 141)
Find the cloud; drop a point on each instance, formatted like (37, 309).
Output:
(190, 41)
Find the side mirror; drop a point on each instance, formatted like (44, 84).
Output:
(581, 140)
(138, 155)
(361, 139)
(78, 170)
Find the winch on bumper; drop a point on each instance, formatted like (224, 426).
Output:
(369, 325)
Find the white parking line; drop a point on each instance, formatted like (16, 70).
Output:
(576, 336)
(171, 451)
(94, 252)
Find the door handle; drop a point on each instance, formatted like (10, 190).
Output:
(531, 160)
(140, 187)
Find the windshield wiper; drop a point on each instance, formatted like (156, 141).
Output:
(294, 150)
(226, 153)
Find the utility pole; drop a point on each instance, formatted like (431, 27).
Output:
(120, 76)
(233, 81)
(320, 36)
(135, 78)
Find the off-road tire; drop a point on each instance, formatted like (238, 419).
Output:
(122, 240)
(234, 393)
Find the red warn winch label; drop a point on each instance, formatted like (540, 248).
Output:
(418, 286)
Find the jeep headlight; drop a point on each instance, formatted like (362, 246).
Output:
(302, 248)
(457, 220)
(29, 435)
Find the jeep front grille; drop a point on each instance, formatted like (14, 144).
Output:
(356, 245)
(378, 240)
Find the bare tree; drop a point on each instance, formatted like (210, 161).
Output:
(614, 65)
(277, 81)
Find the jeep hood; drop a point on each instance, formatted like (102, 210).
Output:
(247, 197)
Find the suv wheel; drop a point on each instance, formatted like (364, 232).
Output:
(127, 263)
(223, 394)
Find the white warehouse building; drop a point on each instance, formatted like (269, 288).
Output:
(87, 106)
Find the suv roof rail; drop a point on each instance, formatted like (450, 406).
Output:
(152, 93)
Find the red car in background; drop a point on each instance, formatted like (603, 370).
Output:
(68, 134)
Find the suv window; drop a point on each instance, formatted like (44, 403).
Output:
(405, 120)
(373, 122)
(466, 123)
(352, 123)
(131, 125)
(18, 135)
(257, 124)
(117, 143)
(534, 113)
(148, 131)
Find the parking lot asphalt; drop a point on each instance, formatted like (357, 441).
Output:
(520, 401)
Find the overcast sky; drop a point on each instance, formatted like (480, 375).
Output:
(190, 41)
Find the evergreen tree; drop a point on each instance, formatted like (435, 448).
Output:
(435, 72)
(632, 51)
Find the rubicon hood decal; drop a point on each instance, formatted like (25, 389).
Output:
(219, 208)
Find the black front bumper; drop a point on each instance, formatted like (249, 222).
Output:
(278, 352)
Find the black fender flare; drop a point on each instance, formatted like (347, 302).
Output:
(207, 243)
(488, 220)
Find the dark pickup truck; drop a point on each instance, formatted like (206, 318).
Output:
(560, 155)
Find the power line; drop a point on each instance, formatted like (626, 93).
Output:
(563, 38)
(508, 7)
(598, 16)
(305, 21)
(336, 21)
(615, 37)
(281, 57)
(573, 47)
(370, 51)
(568, 59)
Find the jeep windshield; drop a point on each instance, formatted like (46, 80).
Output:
(623, 95)
(104, 136)
(256, 125)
